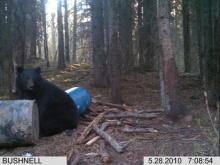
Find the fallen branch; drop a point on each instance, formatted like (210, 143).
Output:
(76, 160)
(131, 114)
(108, 138)
(139, 124)
(87, 139)
(70, 154)
(103, 127)
(89, 127)
(126, 108)
(84, 122)
(110, 123)
(103, 152)
(137, 130)
(93, 140)
(150, 111)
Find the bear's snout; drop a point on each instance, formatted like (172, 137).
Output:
(30, 84)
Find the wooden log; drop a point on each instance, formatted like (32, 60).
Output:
(108, 138)
(19, 123)
(93, 139)
(132, 114)
(138, 130)
(89, 127)
(126, 108)
(105, 158)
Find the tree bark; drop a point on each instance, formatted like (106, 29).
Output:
(125, 35)
(67, 54)
(163, 95)
(114, 55)
(148, 52)
(17, 34)
(99, 57)
(74, 32)
(45, 33)
(53, 39)
(175, 108)
(186, 36)
(215, 99)
(202, 43)
(140, 35)
(33, 30)
(61, 62)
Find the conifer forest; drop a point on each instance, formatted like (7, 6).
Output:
(151, 67)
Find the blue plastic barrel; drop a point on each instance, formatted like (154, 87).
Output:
(81, 97)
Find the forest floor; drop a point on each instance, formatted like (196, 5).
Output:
(143, 93)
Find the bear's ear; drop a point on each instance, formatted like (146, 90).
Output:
(38, 69)
(19, 69)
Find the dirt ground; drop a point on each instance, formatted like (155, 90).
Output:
(142, 92)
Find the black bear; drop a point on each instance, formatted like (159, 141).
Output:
(57, 110)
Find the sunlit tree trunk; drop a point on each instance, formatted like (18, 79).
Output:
(186, 35)
(45, 33)
(99, 57)
(53, 37)
(67, 55)
(61, 62)
(38, 42)
(115, 74)
(17, 34)
(174, 107)
(74, 32)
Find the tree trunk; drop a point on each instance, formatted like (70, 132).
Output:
(17, 34)
(45, 33)
(148, 52)
(186, 36)
(174, 109)
(163, 95)
(38, 42)
(33, 29)
(125, 35)
(61, 62)
(53, 37)
(106, 32)
(140, 35)
(67, 54)
(215, 99)
(201, 44)
(99, 57)
(208, 34)
(5, 20)
(74, 32)
(115, 74)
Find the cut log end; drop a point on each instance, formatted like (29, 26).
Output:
(19, 123)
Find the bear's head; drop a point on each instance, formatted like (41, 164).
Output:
(28, 79)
